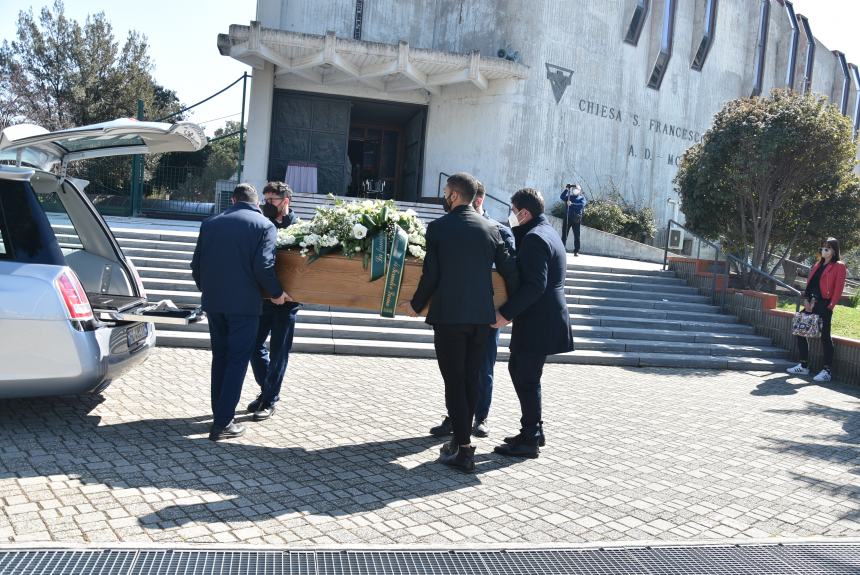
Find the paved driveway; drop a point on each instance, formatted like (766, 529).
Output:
(631, 455)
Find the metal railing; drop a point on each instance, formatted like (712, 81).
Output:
(716, 268)
(849, 282)
(489, 195)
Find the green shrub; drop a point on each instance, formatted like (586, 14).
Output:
(604, 215)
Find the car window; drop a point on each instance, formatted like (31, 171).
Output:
(64, 229)
(27, 235)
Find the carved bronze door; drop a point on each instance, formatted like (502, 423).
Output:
(310, 131)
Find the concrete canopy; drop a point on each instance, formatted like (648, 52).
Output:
(328, 60)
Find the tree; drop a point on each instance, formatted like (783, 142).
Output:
(772, 175)
(59, 74)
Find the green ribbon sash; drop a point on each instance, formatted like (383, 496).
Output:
(377, 255)
(394, 275)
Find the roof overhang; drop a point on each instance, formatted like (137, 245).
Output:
(328, 60)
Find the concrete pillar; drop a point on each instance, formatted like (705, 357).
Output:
(259, 125)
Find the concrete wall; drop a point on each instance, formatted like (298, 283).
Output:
(608, 130)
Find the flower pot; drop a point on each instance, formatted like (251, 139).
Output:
(336, 280)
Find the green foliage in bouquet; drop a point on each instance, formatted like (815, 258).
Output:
(350, 226)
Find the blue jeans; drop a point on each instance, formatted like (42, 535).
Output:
(270, 365)
(232, 338)
(485, 382)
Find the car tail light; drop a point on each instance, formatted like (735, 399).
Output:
(141, 291)
(74, 296)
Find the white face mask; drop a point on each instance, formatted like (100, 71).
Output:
(513, 220)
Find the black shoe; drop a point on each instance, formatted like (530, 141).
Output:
(254, 406)
(232, 431)
(576, 254)
(443, 429)
(462, 459)
(481, 429)
(519, 439)
(530, 451)
(264, 412)
(449, 448)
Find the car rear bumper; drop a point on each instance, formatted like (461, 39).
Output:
(67, 361)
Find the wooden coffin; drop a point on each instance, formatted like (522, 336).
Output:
(336, 280)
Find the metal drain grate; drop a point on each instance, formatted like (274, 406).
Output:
(793, 559)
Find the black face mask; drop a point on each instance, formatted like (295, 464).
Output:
(446, 204)
(270, 211)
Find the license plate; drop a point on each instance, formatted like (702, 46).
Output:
(136, 333)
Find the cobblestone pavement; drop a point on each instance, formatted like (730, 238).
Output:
(631, 454)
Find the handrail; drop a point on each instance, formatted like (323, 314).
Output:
(797, 293)
(848, 281)
(487, 194)
(439, 184)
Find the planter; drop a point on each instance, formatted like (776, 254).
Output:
(335, 280)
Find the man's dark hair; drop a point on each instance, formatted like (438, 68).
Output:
(245, 193)
(465, 185)
(480, 192)
(280, 189)
(528, 199)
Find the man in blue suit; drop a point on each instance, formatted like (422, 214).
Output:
(539, 312)
(234, 260)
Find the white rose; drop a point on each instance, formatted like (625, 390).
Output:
(416, 251)
(358, 248)
(359, 232)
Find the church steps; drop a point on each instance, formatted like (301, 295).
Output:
(626, 314)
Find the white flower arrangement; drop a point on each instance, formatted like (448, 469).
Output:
(352, 226)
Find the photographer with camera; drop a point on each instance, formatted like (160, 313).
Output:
(575, 202)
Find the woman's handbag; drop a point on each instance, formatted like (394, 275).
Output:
(806, 324)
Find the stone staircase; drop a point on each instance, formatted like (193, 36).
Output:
(622, 313)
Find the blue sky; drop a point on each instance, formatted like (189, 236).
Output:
(182, 36)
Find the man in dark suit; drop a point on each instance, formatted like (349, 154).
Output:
(277, 322)
(233, 260)
(539, 312)
(461, 250)
(485, 376)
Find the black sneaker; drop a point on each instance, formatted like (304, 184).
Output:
(462, 459)
(520, 439)
(254, 406)
(529, 451)
(443, 429)
(481, 429)
(231, 431)
(264, 412)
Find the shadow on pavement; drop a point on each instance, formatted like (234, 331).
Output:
(261, 482)
(839, 448)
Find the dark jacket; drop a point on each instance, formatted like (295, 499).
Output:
(577, 203)
(506, 233)
(538, 308)
(234, 259)
(461, 250)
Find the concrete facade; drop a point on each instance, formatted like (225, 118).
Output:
(607, 129)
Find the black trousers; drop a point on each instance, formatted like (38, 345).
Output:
(526, 370)
(460, 353)
(826, 341)
(570, 224)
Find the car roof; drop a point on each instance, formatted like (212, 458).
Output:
(37, 146)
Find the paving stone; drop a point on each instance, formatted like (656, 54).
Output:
(632, 454)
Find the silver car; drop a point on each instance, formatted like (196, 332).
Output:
(73, 311)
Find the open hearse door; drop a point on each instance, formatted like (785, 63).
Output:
(89, 248)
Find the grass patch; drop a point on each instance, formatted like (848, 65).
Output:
(846, 320)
